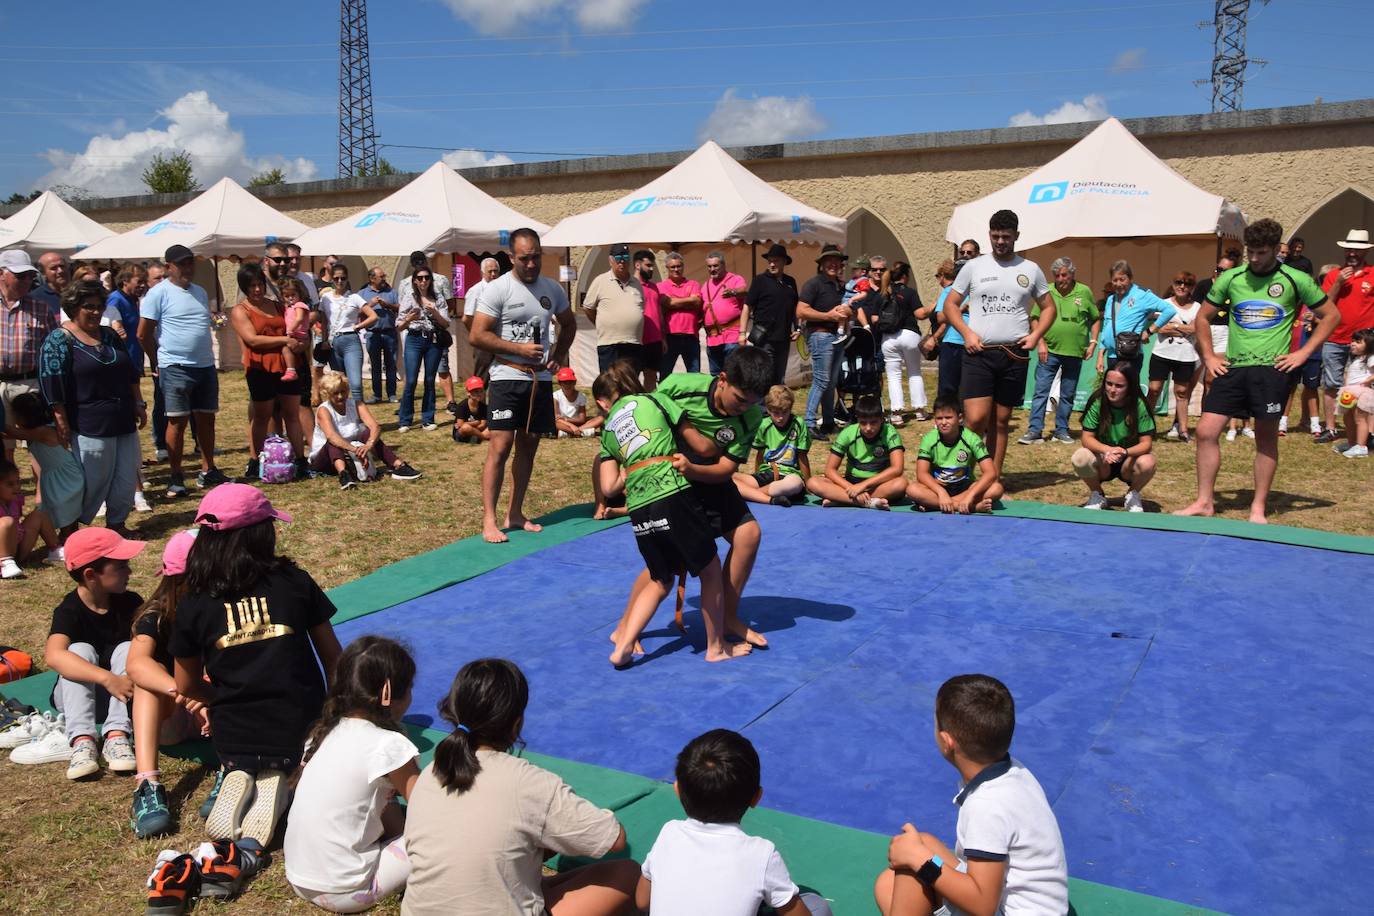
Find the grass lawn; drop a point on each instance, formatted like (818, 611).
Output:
(69, 848)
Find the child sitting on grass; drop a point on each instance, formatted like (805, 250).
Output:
(470, 419)
(570, 408)
(872, 451)
(19, 533)
(88, 647)
(259, 626)
(781, 464)
(161, 715)
(945, 465)
(671, 531)
(344, 847)
(1008, 855)
(707, 863)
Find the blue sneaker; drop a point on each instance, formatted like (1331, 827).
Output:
(151, 816)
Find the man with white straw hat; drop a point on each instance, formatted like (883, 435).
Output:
(1351, 287)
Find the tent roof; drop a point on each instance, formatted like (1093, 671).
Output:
(708, 197)
(439, 210)
(223, 220)
(49, 223)
(1107, 185)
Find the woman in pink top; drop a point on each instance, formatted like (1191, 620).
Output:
(722, 311)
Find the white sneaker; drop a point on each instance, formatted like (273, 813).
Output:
(588, 433)
(1231, 435)
(1316, 426)
(119, 754)
(100, 513)
(10, 569)
(403, 429)
(51, 748)
(141, 502)
(1133, 503)
(1172, 434)
(30, 728)
(562, 434)
(1095, 501)
(57, 554)
(1283, 424)
(83, 761)
(430, 427)
(1356, 451)
(1248, 432)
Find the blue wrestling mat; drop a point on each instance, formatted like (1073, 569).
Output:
(1195, 705)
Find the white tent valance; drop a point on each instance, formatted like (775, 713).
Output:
(49, 223)
(223, 220)
(1107, 185)
(708, 197)
(438, 211)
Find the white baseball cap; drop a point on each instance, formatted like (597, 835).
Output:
(16, 261)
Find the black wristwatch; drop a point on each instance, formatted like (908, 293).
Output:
(931, 871)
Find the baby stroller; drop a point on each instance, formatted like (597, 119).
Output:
(860, 372)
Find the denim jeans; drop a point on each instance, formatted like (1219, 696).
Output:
(109, 465)
(348, 358)
(1070, 366)
(80, 702)
(419, 349)
(822, 393)
(688, 346)
(716, 355)
(381, 346)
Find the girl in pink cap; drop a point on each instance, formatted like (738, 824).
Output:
(258, 625)
(161, 715)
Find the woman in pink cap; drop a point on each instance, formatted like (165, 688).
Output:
(161, 715)
(258, 625)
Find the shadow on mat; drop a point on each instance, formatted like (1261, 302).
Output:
(1279, 501)
(1017, 481)
(770, 613)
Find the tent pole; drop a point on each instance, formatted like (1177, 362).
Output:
(219, 290)
(753, 259)
(567, 284)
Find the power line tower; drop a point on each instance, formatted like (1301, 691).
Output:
(357, 134)
(1229, 61)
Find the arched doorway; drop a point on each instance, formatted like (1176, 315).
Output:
(1329, 222)
(870, 234)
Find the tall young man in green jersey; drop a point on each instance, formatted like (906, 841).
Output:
(1251, 378)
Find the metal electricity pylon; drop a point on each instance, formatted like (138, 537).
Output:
(357, 133)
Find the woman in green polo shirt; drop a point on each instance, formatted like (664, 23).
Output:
(1118, 434)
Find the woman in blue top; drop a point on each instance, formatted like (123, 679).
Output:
(1129, 310)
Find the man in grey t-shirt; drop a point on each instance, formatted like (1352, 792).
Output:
(1000, 288)
(513, 324)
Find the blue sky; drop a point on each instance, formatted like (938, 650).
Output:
(516, 80)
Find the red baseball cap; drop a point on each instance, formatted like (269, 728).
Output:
(566, 374)
(174, 554)
(90, 544)
(474, 383)
(236, 505)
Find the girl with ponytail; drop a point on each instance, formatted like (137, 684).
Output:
(482, 820)
(344, 846)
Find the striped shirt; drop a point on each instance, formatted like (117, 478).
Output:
(23, 327)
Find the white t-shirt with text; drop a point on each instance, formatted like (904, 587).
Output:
(524, 313)
(999, 296)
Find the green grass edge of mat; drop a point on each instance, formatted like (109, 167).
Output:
(837, 862)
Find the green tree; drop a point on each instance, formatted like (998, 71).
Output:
(383, 167)
(267, 178)
(17, 198)
(171, 174)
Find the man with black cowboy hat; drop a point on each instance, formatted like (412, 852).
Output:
(821, 306)
(772, 302)
(1351, 288)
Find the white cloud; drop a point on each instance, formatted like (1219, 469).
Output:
(474, 159)
(1128, 60)
(770, 119)
(113, 165)
(501, 17)
(1092, 108)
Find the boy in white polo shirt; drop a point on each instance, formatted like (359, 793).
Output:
(707, 864)
(1009, 856)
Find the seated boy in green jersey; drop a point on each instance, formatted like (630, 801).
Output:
(873, 455)
(781, 463)
(641, 435)
(945, 463)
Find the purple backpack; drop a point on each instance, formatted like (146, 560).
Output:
(277, 461)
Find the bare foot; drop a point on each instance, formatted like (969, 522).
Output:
(519, 521)
(621, 660)
(877, 502)
(735, 627)
(638, 647)
(985, 505)
(733, 650)
(826, 504)
(1257, 517)
(493, 535)
(1197, 508)
(600, 513)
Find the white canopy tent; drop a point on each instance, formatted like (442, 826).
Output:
(49, 223)
(439, 211)
(1104, 198)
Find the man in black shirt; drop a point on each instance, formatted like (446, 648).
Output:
(772, 304)
(1296, 259)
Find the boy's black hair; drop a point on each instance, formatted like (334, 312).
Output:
(717, 776)
(30, 410)
(978, 711)
(868, 407)
(947, 402)
(1004, 219)
(1263, 233)
(7, 467)
(79, 574)
(750, 370)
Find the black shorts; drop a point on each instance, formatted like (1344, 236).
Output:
(764, 478)
(611, 353)
(998, 373)
(509, 407)
(673, 536)
(959, 486)
(1309, 375)
(268, 386)
(1248, 391)
(1161, 368)
(724, 508)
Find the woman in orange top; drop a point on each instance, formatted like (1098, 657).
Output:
(261, 325)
